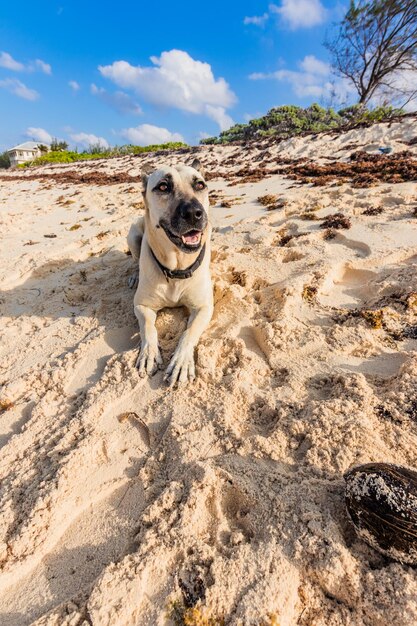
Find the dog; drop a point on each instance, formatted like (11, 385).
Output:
(172, 245)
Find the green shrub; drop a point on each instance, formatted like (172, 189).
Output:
(171, 145)
(97, 151)
(287, 121)
(358, 114)
(58, 157)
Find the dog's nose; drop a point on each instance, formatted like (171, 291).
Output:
(191, 211)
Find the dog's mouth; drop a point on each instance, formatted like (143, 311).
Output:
(190, 241)
(192, 238)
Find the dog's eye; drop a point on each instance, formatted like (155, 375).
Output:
(162, 187)
(199, 185)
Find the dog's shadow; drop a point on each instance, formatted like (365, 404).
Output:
(95, 287)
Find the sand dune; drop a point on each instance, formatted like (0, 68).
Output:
(124, 502)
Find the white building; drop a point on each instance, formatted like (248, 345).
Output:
(26, 151)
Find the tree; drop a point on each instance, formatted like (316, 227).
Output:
(97, 148)
(376, 49)
(4, 160)
(58, 146)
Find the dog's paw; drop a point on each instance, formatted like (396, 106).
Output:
(149, 360)
(133, 281)
(181, 368)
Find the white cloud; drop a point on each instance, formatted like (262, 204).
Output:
(400, 91)
(40, 65)
(203, 135)
(312, 65)
(7, 61)
(118, 100)
(88, 139)
(313, 80)
(176, 80)
(74, 85)
(257, 20)
(19, 89)
(38, 134)
(219, 115)
(300, 13)
(147, 134)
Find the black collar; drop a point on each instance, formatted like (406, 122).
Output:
(187, 273)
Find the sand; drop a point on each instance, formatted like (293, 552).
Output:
(124, 502)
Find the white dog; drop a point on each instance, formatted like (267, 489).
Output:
(172, 244)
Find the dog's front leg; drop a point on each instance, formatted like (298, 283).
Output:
(149, 358)
(181, 367)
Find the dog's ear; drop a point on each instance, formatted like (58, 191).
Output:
(146, 170)
(196, 164)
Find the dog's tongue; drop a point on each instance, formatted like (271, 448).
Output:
(193, 237)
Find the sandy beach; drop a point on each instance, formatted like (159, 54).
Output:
(126, 503)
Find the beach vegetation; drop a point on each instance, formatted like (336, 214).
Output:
(288, 121)
(98, 151)
(58, 146)
(4, 161)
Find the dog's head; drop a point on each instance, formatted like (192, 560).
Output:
(176, 200)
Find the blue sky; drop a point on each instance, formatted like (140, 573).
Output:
(138, 72)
